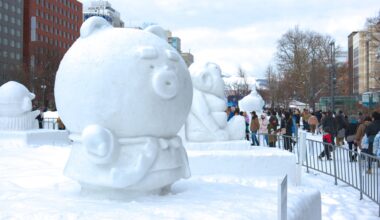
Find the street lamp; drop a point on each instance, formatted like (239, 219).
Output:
(332, 75)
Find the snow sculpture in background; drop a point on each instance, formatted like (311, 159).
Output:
(124, 94)
(236, 127)
(252, 102)
(16, 107)
(207, 121)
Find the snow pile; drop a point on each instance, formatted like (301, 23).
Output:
(32, 187)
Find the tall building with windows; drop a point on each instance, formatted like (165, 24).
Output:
(364, 65)
(103, 9)
(50, 28)
(11, 40)
(175, 42)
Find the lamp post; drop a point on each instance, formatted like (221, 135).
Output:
(332, 75)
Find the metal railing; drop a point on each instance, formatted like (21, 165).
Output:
(357, 169)
(50, 123)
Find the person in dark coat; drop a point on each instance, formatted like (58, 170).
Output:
(330, 122)
(286, 128)
(341, 128)
(372, 129)
(350, 137)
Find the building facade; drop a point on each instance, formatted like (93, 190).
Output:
(11, 40)
(105, 10)
(50, 28)
(364, 65)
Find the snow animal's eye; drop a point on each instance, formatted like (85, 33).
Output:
(172, 55)
(147, 53)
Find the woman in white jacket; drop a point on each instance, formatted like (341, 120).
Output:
(263, 130)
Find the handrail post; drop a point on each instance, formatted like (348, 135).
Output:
(303, 150)
(334, 162)
(360, 175)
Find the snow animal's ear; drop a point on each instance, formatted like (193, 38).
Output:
(32, 96)
(92, 25)
(157, 30)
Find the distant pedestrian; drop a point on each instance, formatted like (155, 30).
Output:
(350, 137)
(254, 127)
(313, 123)
(263, 130)
(327, 141)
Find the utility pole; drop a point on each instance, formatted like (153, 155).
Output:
(332, 75)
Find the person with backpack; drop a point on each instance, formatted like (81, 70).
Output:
(360, 131)
(371, 131)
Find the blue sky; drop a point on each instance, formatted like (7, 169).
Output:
(244, 33)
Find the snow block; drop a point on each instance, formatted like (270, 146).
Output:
(219, 145)
(35, 137)
(258, 162)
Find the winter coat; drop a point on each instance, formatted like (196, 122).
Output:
(306, 116)
(341, 122)
(376, 145)
(272, 129)
(329, 122)
(351, 131)
(313, 120)
(263, 125)
(361, 131)
(372, 129)
(255, 124)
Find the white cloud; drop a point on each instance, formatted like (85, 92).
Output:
(245, 32)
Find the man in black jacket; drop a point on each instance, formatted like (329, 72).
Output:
(371, 131)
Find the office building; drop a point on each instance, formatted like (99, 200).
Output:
(105, 10)
(11, 40)
(364, 65)
(50, 28)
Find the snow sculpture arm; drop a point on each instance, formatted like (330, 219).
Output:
(99, 143)
(202, 112)
(126, 176)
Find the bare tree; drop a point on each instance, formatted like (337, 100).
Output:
(241, 87)
(302, 58)
(373, 37)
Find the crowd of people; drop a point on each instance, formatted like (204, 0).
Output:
(360, 132)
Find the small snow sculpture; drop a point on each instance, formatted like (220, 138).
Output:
(16, 107)
(236, 127)
(124, 94)
(252, 102)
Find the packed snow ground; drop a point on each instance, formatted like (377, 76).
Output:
(32, 187)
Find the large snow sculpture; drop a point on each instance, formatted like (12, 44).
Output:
(124, 94)
(207, 120)
(16, 107)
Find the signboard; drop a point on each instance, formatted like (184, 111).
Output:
(282, 198)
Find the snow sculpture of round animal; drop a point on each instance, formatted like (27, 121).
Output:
(124, 94)
(16, 107)
(207, 120)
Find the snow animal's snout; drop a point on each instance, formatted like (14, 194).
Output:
(165, 83)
